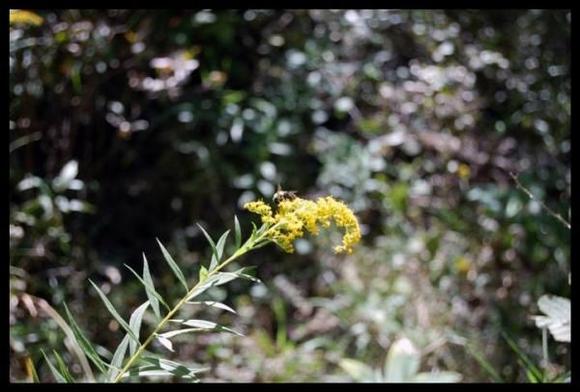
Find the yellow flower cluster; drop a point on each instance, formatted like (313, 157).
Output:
(295, 216)
(25, 17)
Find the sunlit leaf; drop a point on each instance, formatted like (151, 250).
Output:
(237, 232)
(135, 325)
(402, 361)
(152, 294)
(204, 324)
(213, 304)
(68, 173)
(118, 357)
(357, 370)
(558, 319)
(202, 273)
(171, 334)
(219, 249)
(165, 342)
(219, 279)
(175, 368)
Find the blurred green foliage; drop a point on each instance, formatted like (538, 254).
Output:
(415, 118)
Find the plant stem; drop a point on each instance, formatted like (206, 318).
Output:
(542, 204)
(246, 247)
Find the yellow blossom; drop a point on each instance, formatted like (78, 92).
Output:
(294, 217)
(262, 209)
(25, 17)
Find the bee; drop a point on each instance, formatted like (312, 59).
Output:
(281, 195)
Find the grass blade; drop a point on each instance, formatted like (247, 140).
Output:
(173, 266)
(62, 368)
(112, 310)
(84, 343)
(135, 325)
(532, 370)
(55, 372)
(485, 364)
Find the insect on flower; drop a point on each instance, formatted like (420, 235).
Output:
(281, 195)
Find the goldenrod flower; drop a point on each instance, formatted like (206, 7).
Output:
(294, 217)
(262, 209)
(25, 17)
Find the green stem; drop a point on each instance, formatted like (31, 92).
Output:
(246, 247)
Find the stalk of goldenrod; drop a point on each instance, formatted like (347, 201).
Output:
(291, 220)
(250, 244)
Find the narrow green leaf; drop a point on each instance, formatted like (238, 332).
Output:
(112, 310)
(213, 304)
(196, 323)
(173, 265)
(202, 273)
(175, 368)
(118, 357)
(135, 325)
(219, 279)
(209, 239)
(62, 368)
(150, 289)
(531, 369)
(254, 230)
(218, 251)
(56, 374)
(165, 342)
(146, 371)
(171, 334)
(84, 343)
(204, 324)
(485, 364)
(162, 363)
(238, 232)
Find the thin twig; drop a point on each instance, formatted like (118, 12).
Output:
(544, 206)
